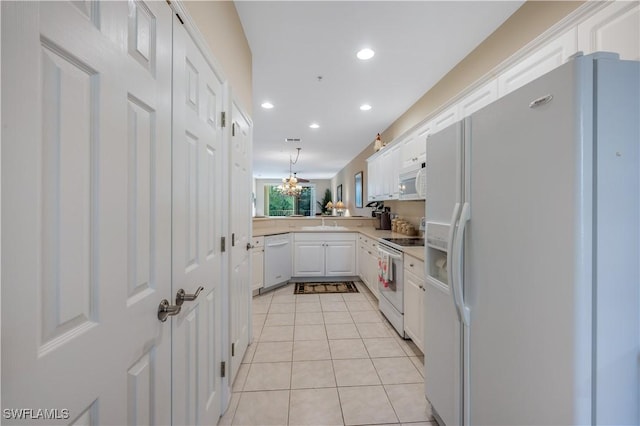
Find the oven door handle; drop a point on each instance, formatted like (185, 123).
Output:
(393, 255)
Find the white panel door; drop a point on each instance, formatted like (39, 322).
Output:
(86, 188)
(240, 226)
(413, 307)
(616, 28)
(541, 62)
(197, 231)
(308, 259)
(340, 258)
(373, 179)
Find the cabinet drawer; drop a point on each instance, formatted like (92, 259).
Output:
(415, 266)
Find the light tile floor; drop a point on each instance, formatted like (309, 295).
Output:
(327, 360)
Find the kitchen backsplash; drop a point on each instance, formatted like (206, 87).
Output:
(411, 211)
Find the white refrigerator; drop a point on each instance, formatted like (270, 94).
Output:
(533, 253)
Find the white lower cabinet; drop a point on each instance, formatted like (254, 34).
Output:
(414, 302)
(257, 263)
(368, 262)
(309, 258)
(324, 254)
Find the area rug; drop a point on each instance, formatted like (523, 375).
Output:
(320, 288)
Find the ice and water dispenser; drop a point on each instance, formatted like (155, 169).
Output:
(436, 242)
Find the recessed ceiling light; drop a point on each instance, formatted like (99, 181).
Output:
(267, 105)
(365, 107)
(314, 125)
(365, 54)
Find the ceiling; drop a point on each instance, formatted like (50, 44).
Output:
(304, 63)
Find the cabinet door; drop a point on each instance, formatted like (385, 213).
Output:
(393, 175)
(479, 98)
(373, 191)
(362, 263)
(446, 118)
(340, 258)
(257, 268)
(308, 259)
(407, 151)
(420, 143)
(613, 29)
(541, 62)
(372, 271)
(413, 308)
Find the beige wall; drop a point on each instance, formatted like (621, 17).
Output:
(528, 22)
(346, 177)
(220, 25)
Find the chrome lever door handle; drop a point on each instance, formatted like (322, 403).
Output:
(182, 296)
(165, 309)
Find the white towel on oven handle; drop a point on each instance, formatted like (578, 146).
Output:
(385, 268)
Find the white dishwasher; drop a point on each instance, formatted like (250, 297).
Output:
(277, 260)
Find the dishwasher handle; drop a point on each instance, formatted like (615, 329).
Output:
(278, 244)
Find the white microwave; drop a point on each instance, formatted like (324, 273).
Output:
(413, 183)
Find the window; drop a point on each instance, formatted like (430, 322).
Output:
(277, 204)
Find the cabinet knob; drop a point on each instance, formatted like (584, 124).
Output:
(411, 264)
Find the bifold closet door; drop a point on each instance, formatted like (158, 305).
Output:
(197, 231)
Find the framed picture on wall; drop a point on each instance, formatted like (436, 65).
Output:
(358, 181)
(339, 193)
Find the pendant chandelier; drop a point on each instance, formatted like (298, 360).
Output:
(290, 185)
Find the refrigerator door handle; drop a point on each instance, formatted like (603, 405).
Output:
(457, 266)
(450, 256)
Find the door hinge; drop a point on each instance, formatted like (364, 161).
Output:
(233, 129)
(223, 244)
(233, 349)
(223, 119)
(223, 369)
(233, 240)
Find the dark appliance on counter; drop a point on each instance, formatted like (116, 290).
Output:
(385, 219)
(376, 213)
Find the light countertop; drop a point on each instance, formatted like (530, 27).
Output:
(417, 252)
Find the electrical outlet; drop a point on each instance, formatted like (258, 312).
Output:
(422, 224)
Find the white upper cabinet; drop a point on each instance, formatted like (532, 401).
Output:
(393, 168)
(445, 118)
(384, 174)
(374, 179)
(540, 62)
(413, 149)
(613, 29)
(479, 98)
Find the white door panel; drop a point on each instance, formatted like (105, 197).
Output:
(479, 98)
(197, 230)
(240, 226)
(86, 219)
(541, 62)
(340, 258)
(616, 28)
